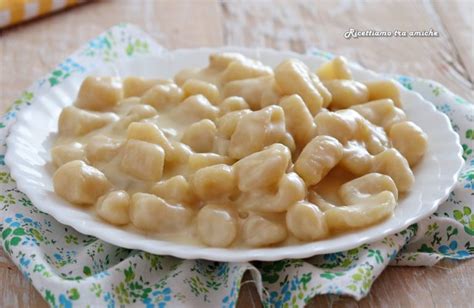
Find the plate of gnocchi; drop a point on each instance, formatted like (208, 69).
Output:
(234, 154)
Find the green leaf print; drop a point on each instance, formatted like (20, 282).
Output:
(212, 284)
(53, 81)
(155, 260)
(49, 297)
(71, 239)
(7, 199)
(437, 90)
(466, 218)
(431, 228)
(122, 294)
(363, 278)
(458, 215)
(197, 286)
(375, 253)
(36, 234)
(38, 268)
(306, 278)
(271, 270)
(87, 271)
(451, 231)
(5, 178)
(73, 294)
(6, 233)
(96, 288)
(129, 274)
(353, 251)
(25, 202)
(129, 49)
(352, 287)
(331, 275)
(466, 151)
(470, 134)
(19, 231)
(137, 46)
(426, 248)
(470, 231)
(15, 241)
(57, 73)
(25, 98)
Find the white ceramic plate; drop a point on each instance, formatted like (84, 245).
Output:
(31, 137)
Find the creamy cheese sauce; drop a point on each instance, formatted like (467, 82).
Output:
(250, 185)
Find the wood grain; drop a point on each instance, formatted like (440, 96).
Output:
(443, 285)
(299, 25)
(453, 19)
(30, 50)
(15, 290)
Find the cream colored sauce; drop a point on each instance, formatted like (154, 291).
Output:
(328, 187)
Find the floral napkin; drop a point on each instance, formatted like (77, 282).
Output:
(71, 269)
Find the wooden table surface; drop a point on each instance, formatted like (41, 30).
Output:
(30, 50)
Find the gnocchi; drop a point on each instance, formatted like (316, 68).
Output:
(298, 119)
(209, 90)
(175, 190)
(143, 160)
(102, 148)
(65, 153)
(200, 136)
(337, 68)
(113, 207)
(238, 154)
(214, 182)
(257, 92)
(381, 112)
(80, 183)
(318, 157)
(78, 122)
(346, 93)
(256, 130)
(290, 189)
(306, 221)
(152, 213)
(216, 226)
(294, 77)
(384, 89)
(409, 140)
(99, 93)
(232, 103)
(163, 96)
(137, 86)
(260, 231)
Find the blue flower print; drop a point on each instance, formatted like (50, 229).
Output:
(451, 250)
(333, 256)
(445, 108)
(162, 297)
(229, 300)
(405, 81)
(64, 302)
(108, 298)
